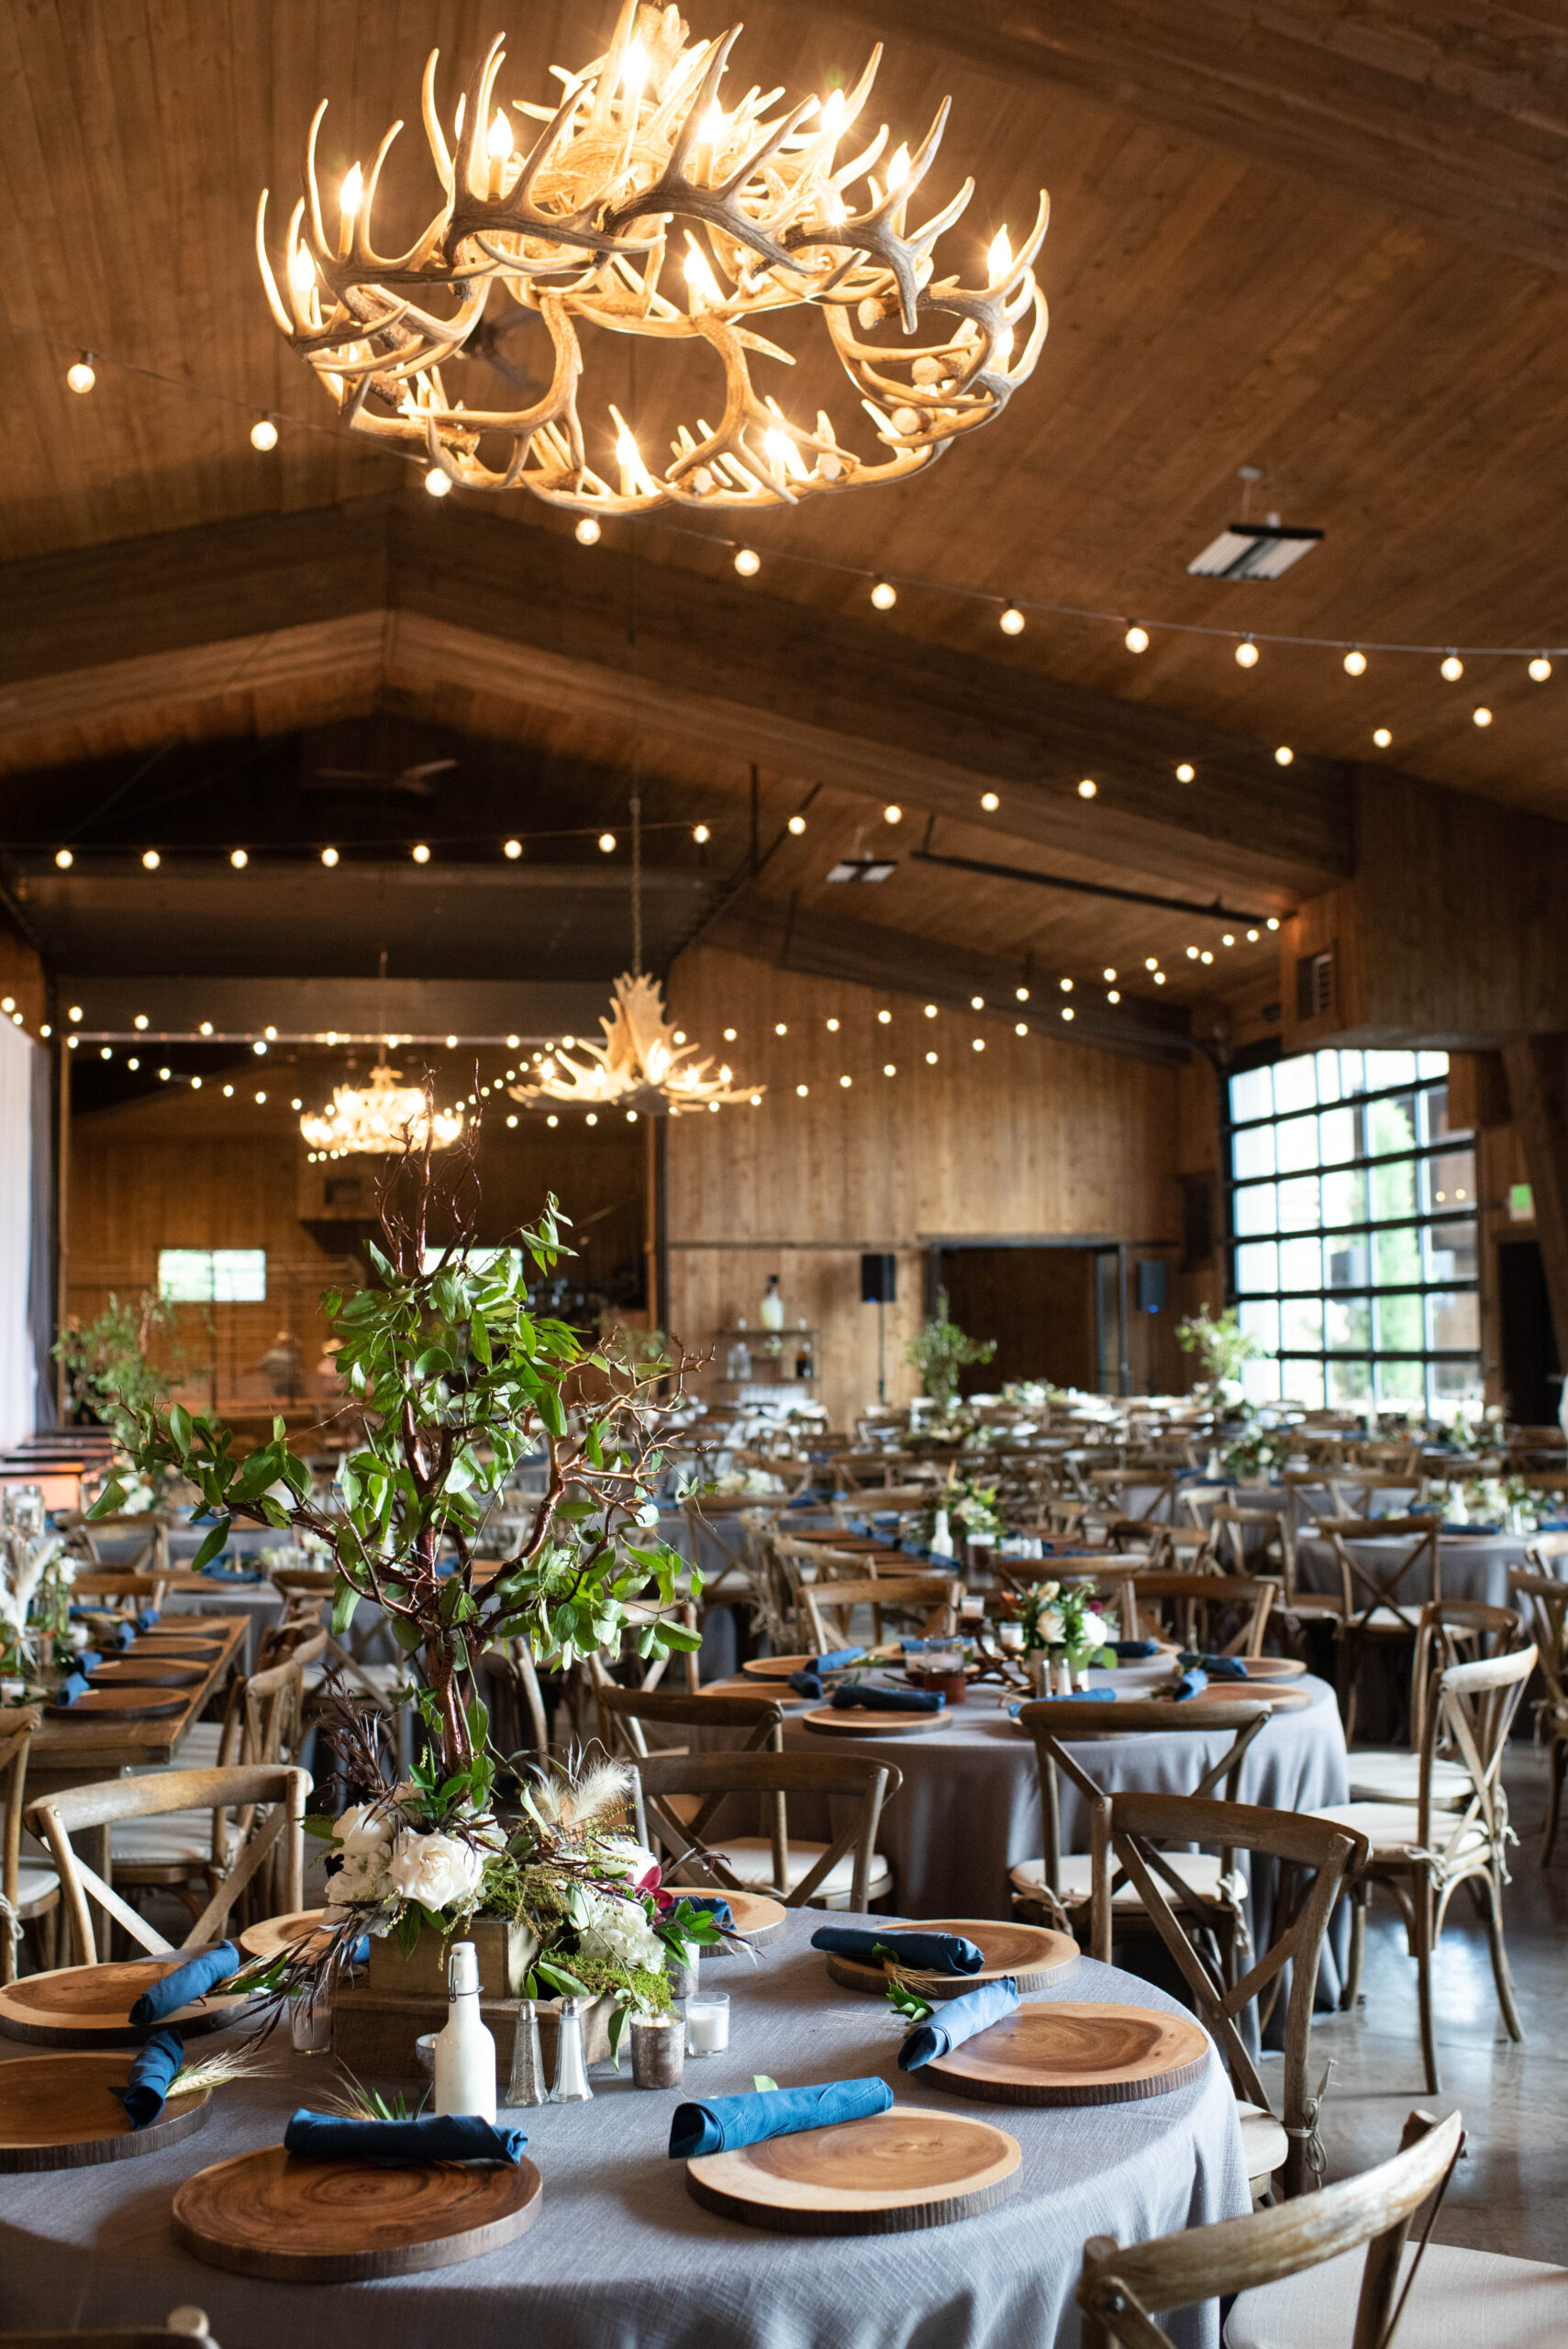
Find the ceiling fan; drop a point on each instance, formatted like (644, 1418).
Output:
(414, 779)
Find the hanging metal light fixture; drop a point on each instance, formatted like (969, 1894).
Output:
(377, 1118)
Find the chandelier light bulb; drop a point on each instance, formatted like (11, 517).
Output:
(1273, 922)
(352, 193)
(889, 1068)
(264, 434)
(1452, 668)
(977, 1003)
(999, 253)
(1246, 654)
(930, 1060)
(1481, 717)
(1136, 638)
(1185, 773)
(608, 843)
(1355, 663)
(1252, 938)
(1012, 621)
(698, 276)
(206, 1027)
(1541, 669)
(729, 1035)
(1285, 755)
(436, 482)
(498, 140)
(75, 1014)
(1110, 976)
(885, 1019)
(1021, 1028)
(747, 562)
(64, 858)
(151, 860)
(884, 594)
(1159, 978)
(513, 849)
(420, 853)
(302, 270)
(328, 856)
(1068, 1012)
(80, 375)
(139, 1023)
(239, 859)
(1382, 737)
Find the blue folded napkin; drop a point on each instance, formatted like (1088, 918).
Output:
(1551, 1525)
(218, 1572)
(1130, 1651)
(1219, 1667)
(837, 1659)
(726, 2122)
(716, 1905)
(806, 1684)
(921, 1952)
(1465, 1532)
(147, 1617)
(188, 1982)
(73, 1685)
(959, 2019)
(152, 2068)
(86, 1660)
(1192, 1683)
(885, 1700)
(397, 2144)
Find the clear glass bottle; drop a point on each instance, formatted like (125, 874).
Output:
(465, 2051)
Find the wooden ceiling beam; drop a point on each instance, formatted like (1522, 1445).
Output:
(868, 955)
(1447, 114)
(393, 597)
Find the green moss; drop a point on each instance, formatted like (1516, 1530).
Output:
(601, 1974)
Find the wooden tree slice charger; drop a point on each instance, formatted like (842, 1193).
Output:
(61, 2112)
(169, 1671)
(1275, 1667)
(1033, 1954)
(1058, 2052)
(759, 1916)
(825, 1720)
(274, 1935)
(303, 2220)
(1279, 1697)
(887, 2175)
(122, 1704)
(86, 2006)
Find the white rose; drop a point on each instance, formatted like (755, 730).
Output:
(363, 1829)
(437, 1870)
(1051, 1627)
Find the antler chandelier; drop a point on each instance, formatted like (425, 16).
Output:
(378, 1117)
(642, 1062)
(578, 228)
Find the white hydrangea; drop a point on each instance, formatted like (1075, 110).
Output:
(618, 1933)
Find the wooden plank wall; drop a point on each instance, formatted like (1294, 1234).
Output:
(1028, 1136)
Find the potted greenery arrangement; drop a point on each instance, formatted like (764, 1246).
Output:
(1222, 1347)
(455, 1379)
(940, 1353)
(1062, 1625)
(971, 1510)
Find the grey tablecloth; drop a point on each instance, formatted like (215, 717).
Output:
(1469, 1566)
(623, 2258)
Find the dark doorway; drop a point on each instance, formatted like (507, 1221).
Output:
(1038, 1303)
(1531, 1366)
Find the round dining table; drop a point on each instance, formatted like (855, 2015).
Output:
(1469, 1565)
(622, 2257)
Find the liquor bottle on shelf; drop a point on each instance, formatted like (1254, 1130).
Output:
(804, 1367)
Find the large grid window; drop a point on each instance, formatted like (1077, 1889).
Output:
(1353, 1232)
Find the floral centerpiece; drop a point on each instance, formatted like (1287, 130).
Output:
(1064, 1622)
(971, 1510)
(1258, 1453)
(36, 1629)
(941, 1351)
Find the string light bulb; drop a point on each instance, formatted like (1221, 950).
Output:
(1088, 788)
(1285, 756)
(328, 856)
(1012, 621)
(1481, 715)
(1185, 773)
(80, 375)
(884, 594)
(239, 858)
(892, 814)
(151, 860)
(1022, 994)
(1382, 737)
(587, 533)
(797, 825)
(513, 849)
(1452, 668)
(420, 852)
(1541, 669)
(64, 858)
(1110, 977)
(264, 434)
(608, 843)
(747, 562)
(989, 801)
(1246, 654)
(701, 834)
(1355, 663)
(1136, 638)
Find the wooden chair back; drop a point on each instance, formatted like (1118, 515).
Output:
(1353, 1489)
(1545, 1603)
(1368, 1586)
(272, 1795)
(1228, 1526)
(622, 1712)
(1453, 1630)
(827, 1607)
(1544, 1550)
(16, 1729)
(87, 1535)
(1122, 2286)
(1130, 1838)
(1198, 1607)
(900, 1497)
(120, 1591)
(1471, 1716)
(1191, 1500)
(1052, 1723)
(664, 1779)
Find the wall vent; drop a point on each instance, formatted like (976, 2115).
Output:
(1315, 985)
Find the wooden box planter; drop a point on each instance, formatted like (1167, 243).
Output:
(504, 1953)
(375, 2022)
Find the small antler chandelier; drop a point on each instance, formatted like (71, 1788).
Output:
(379, 1118)
(578, 227)
(644, 1063)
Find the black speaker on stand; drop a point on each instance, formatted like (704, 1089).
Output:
(878, 1286)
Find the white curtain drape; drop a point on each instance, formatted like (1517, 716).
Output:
(17, 1366)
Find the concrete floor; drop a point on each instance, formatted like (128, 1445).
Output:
(1510, 2193)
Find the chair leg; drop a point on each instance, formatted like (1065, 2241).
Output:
(1361, 1897)
(1421, 1949)
(1556, 1763)
(1502, 1973)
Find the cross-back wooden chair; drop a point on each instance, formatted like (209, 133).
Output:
(120, 1591)
(848, 1872)
(1451, 1631)
(848, 1508)
(1373, 1610)
(1192, 1501)
(1424, 1852)
(1229, 1524)
(933, 1599)
(1061, 1887)
(623, 1711)
(1130, 1832)
(1217, 1614)
(1353, 1489)
(1544, 1600)
(1274, 2261)
(270, 1854)
(86, 1537)
(29, 1892)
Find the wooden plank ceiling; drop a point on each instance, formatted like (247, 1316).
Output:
(1237, 274)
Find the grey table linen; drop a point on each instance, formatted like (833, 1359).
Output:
(623, 2258)
(1469, 1565)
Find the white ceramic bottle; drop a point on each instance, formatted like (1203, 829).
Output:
(941, 1545)
(465, 2052)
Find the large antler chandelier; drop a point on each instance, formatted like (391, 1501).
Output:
(578, 228)
(378, 1117)
(642, 1062)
